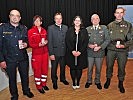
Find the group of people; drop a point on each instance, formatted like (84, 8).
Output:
(77, 47)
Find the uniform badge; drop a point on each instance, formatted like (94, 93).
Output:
(121, 25)
(121, 31)
(111, 32)
(125, 25)
(100, 31)
(7, 32)
(99, 28)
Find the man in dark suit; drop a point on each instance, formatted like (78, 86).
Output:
(57, 49)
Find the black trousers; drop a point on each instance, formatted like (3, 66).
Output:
(23, 68)
(76, 76)
(58, 60)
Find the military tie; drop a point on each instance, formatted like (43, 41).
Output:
(95, 28)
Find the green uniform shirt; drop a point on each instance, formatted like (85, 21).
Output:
(99, 37)
(120, 31)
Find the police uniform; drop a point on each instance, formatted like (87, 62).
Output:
(97, 35)
(121, 32)
(14, 57)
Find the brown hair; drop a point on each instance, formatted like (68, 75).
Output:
(37, 16)
(57, 13)
(121, 8)
(81, 25)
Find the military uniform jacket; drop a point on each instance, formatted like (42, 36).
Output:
(120, 31)
(56, 40)
(9, 48)
(99, 37)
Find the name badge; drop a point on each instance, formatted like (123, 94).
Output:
(7, 32)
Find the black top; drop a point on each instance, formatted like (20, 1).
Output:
(82, 47)
(9, 48)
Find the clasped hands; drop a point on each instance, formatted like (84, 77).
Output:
(43, 44)
(95, 47)
(76, 53)
(120, 46)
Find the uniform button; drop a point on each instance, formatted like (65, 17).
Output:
(17, 54)
(15, 36)
(16, 45)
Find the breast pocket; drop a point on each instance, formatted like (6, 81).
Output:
(101, 37)
(8, 38)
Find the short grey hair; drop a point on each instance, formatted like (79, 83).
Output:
(95, 15)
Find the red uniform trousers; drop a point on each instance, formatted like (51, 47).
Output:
(40, 68)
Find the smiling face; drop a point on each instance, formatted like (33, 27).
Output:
(95, 19)
(119, 13)
(58, 19)
(38, 22)
(14, 17)
(77, 22)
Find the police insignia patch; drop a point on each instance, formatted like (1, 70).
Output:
(7, 32)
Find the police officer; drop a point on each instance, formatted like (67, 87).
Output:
(57, 49)
(13, 54)
(98, 41)
(121, 35)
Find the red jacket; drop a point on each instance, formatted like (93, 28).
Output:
(34, 38)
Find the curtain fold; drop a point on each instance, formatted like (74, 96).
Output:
(69, 8)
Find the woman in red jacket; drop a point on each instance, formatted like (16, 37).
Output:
(38, 42)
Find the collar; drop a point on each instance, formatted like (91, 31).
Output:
(95, 26)
(35, 28)
(58, 25)
(11, 26)
(119, 22)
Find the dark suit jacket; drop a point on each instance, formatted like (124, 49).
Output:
(56, 40)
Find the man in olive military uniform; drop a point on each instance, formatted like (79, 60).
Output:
(98, 41)
(13, 54)
(121, 35)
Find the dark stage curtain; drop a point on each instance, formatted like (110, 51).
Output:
(69, 8)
